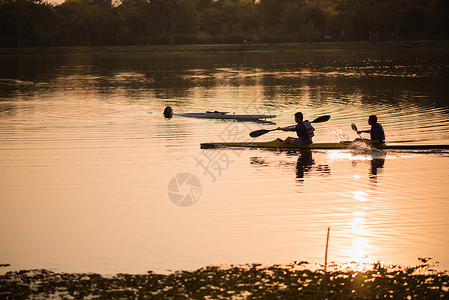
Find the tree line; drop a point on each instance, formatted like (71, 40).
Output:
(149, 22)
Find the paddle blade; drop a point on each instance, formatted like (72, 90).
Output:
(257, 133)
(321, 119)
(354, 127)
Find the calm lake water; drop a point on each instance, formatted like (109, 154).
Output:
(89, 167)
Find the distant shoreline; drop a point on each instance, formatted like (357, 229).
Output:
(423, 47)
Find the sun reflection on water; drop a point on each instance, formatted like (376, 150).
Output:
(360, 196)
(348, 155)
(359, 252)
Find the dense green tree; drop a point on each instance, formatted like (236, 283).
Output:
(177, 16)
(416, 18)
(187, 17)
(440, 13)
(17, 19)
(271, 12)
(105, 20)
(109, 22)
(78, 21)
(249, 20)
(136, 17)
(293, 17)
(211, 20)
(203, 4)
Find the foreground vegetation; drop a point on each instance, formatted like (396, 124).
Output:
(25, 23)
(253, 281)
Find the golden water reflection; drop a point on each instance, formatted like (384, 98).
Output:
(86, 157)
(368, 218)
(360, 247)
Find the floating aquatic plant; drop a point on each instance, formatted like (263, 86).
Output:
(252, 281)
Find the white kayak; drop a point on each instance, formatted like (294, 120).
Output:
(168, 113)
(224, 115)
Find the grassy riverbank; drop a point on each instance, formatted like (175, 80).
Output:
(360, 47)
(252, 281)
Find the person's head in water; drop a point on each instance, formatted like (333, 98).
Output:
(168, 112)
(299, 117)
(372, 120)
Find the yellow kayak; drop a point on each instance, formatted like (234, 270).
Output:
(278, 145)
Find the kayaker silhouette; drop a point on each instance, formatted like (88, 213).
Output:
(168, 112)
(304, 131)
(377, 134)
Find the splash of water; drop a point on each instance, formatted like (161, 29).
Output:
(338, 135)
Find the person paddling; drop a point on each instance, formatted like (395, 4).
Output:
(304, 130)
(168, 112)
(376, 132)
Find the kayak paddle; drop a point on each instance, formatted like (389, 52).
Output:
(260, 132)
(354, 127)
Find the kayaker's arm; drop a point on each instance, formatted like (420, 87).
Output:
(363, 131)
(287, 128)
